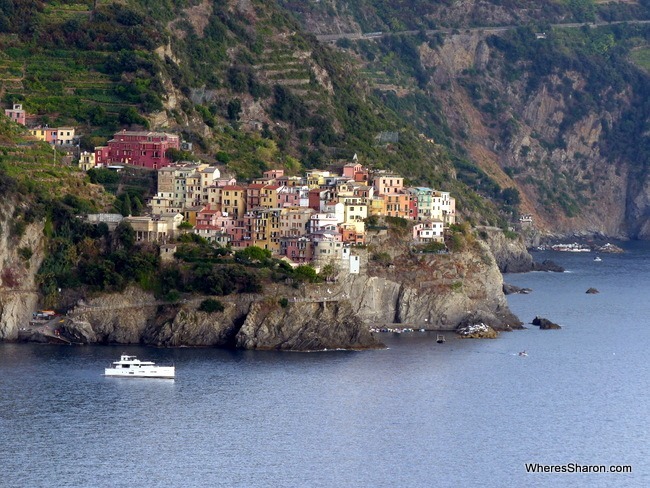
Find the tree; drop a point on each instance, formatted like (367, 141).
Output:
(306, 273)
(328, 272)
(234, 109)
(253, 254)
(210, 305)
(124, 236)
(511, 196)
(126, 206)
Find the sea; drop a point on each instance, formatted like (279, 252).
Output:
(463, 413)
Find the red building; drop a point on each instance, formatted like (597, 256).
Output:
(146, 149)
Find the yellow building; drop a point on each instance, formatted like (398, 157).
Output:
(269, 196)
(266, 229)
(376, 206)
(86, 160)
(233, 200)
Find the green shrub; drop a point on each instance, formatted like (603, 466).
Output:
(25, 253)
(210, 306)
(283, 302)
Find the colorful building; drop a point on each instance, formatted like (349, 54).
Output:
(59, 136)
(145, 149)
(16, 113)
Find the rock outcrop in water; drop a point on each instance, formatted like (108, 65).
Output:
(545, 324)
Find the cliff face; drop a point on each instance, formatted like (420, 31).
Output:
(20, 258)
(513, 129)
(510, 255)
(439, 291)
(300, 327)
(250, 322)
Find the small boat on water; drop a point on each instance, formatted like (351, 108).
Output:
(597, 259)
(132, 367)
(523, 353)
(440, 338)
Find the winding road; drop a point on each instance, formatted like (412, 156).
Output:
(355, 36)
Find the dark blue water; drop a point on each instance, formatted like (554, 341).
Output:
(420, 414)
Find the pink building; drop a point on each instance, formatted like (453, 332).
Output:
(253, 195)
(388, 184)
(17, 114)
(293, 196)
(351, 169)
(298, 249)
(273, 174)
(145, 149)
(207, 217)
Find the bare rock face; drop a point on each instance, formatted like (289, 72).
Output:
(117, 317)
(18, 290)
(437, 291)
(510, 255)
(305, 326)
(189, 327)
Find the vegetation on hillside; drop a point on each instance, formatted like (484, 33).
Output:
(386, 15)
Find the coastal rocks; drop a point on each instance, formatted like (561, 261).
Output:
(545, 324)
(477, 331)
(548, 265)
(592, 291)
(189, 327)
(512, 290)
(435, 291)
(114, 318)
(304, 326)
(78, 331)
(610, 248)
(510, 255)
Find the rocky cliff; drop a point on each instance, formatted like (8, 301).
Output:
(22, 249)
(247, 321)
(509, 253)
(518, 131)
(432, 291)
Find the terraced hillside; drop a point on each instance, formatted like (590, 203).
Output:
(239, 79)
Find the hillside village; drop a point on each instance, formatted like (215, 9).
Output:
(310, 218)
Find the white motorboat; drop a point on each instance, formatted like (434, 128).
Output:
(597, 259)
(132, 367)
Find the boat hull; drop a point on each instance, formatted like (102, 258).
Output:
(167, 372)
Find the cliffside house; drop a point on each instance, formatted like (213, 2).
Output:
(57, 136)
(86, 160)
(430, 231)
(140, 148)
(16, 113)
(157, 228)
